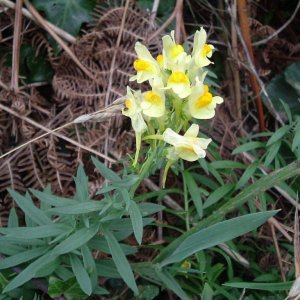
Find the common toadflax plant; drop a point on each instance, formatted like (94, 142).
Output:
(178, 95)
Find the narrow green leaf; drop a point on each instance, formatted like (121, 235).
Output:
(194, 192)
(160, 193)
(137, 221)
(169, 281)
(29, 272)
(247, 174)
(107, 268)
(90, 265)
(76, 240)
(22, 257)
(30, 210)
(148, 208)
(216, 234)
(82, 189)
(35, 232)
(278, 134)
(120, 260)
(287, 110)
(79, 208)
(81, 274)
(218, 194)
(227, 164)
(296, 140)
(248, 147)
(105, 172)
(51, 199)
(272, 152)
(126, 197)
(268, 286)
(207, 293)
(100, 244)
(13, 220)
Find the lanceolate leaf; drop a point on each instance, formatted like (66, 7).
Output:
(81, 274)
(171, 283)
(260, 185)
(30, 209)
(216, 234)
(137, 221)
(76, 240)
(29, 272)
(265, 286)
(120, 260)
(22, 257)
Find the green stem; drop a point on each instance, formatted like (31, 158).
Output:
(186, 200)
(143, 172)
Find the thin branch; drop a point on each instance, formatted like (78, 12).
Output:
(154, 11)
(278, 253)
(253, 71)
(179, 20)
(242, 10)
(236, 74)
(16, 47)
(65, 35)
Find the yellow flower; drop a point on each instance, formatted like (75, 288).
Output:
(186, 265)
(201, 102)
(201, 51)
(172, 52)
(179, 83)
(133, 110)
(153, 104)
(188, 147)
(145, 65)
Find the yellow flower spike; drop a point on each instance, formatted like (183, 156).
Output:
(188, 147)
(145, 65)
(201, 102)
(201, 51)
(180, 84)
(153, 104)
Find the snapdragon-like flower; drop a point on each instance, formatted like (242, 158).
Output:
(145, 65)
(179, 81)
(201, 102)
(172, 52)
(153, 104)
(133, 110)
(188, 147)
(201, 51)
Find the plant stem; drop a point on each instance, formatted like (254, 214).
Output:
(186, 200)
